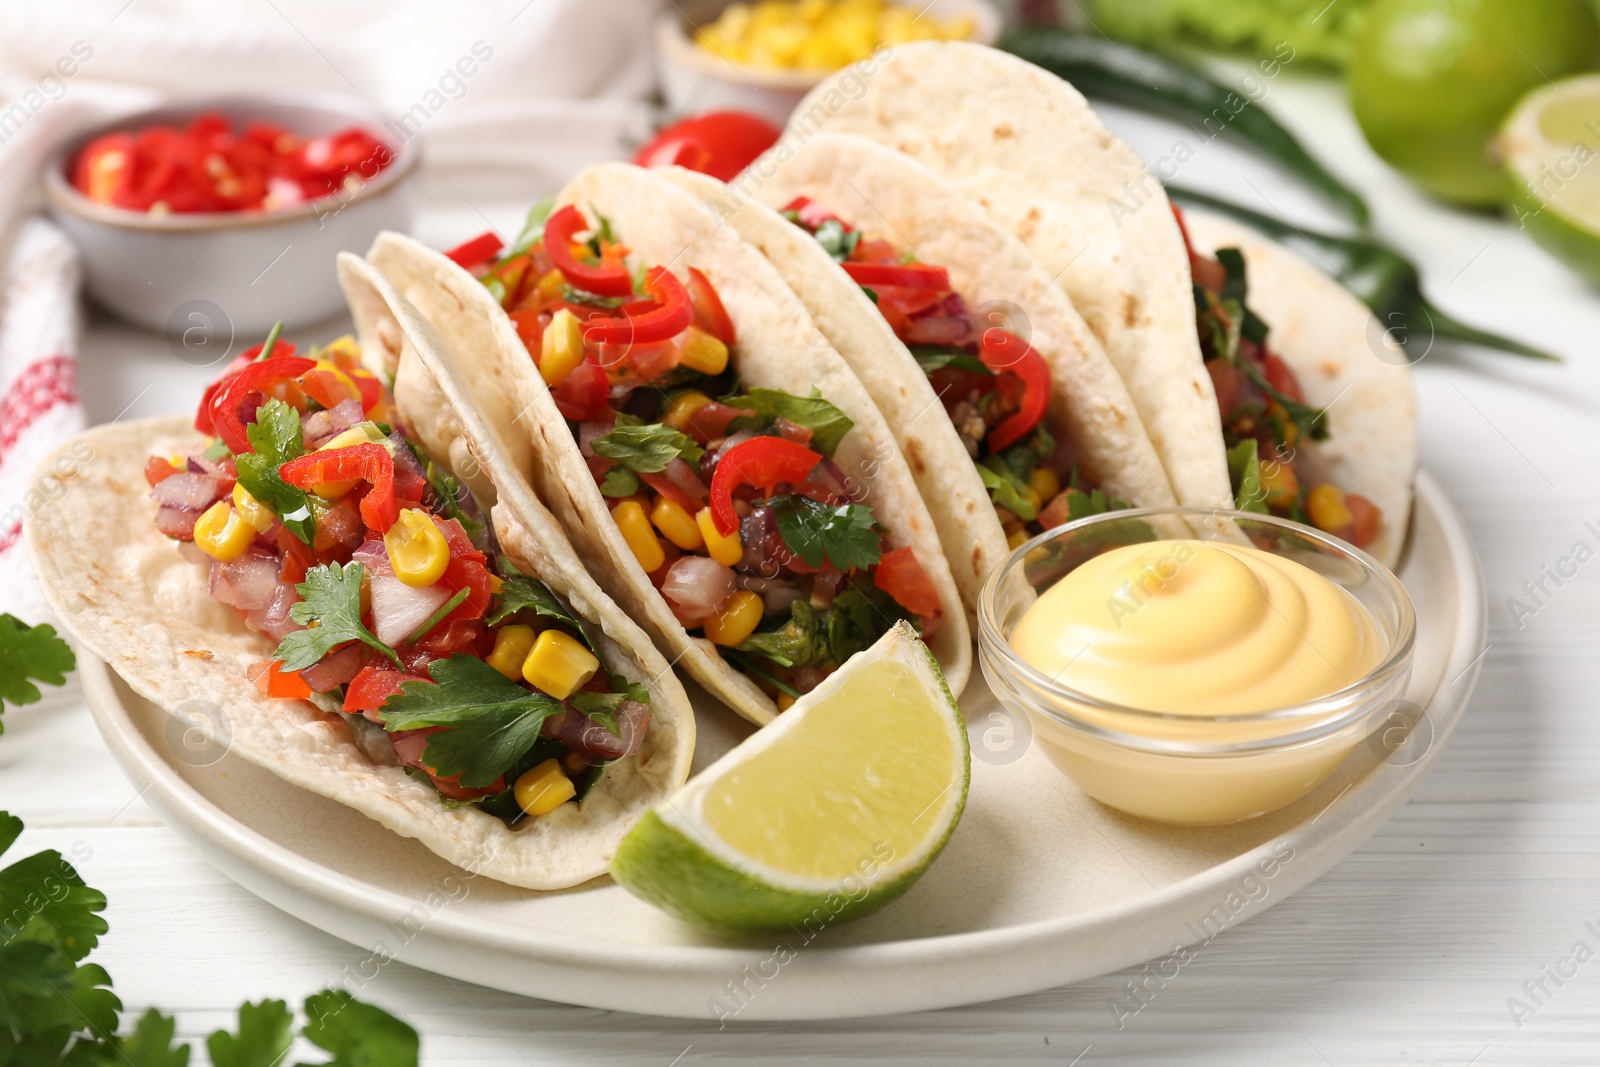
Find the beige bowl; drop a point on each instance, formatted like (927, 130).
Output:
(694, 80)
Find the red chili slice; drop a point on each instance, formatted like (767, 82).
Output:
(709, 314)
(253, 377)
(762, 462)
(672, 317)
(476, 252)
(367, 462)
(905, 275)
(607, 279)
(899, 573)
(1006, 353)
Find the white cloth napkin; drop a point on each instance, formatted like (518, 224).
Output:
(553, 85)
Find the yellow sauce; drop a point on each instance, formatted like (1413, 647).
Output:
(1202, 629)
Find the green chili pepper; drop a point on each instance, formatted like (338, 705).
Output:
(1111, 70)
(1376, 274)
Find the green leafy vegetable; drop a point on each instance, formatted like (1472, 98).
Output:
(845, 535)
(358, 1035)
(266, 1030)
(858, 618)
(573, 295)
(330, 598)
(745, 664)
(150, 1044)
(447, 490)
(934, 357)
(518, 592)
(794, 644)
(619, 481)
(30, 654)
(276, 439)
(1244, 470)
(533, 228)
(218, 450)
(827, 424)
(647, 449)
(1006, 489)
(602, 707)
(836, 240)
(1313, 29)
(492, 720)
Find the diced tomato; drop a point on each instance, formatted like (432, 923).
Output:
(709, 314)
(1282, 378)
(466, 570)
(409, 746)
(324, 387)
(899, 573)
(158, 470)
(650, 362)
(1225, 381)
(1365, 519)
(452, 636)
(711, 421)
(372, 685)
(583, 397)
(530, 324)
(672, 491)
(270, 680)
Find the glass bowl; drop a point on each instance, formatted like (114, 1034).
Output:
(1174, 767)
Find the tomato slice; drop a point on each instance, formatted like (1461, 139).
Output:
(476, 252)
(899, 573)
(762, 462)
(709, 314)
(1006, 353)
(905, 275)
(607, 279)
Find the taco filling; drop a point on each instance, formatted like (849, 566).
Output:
(334, 534)
(994, 386)
(1268, 428)
(729, 498)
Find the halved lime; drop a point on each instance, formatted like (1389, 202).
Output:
(1551, 148)
(827, 814)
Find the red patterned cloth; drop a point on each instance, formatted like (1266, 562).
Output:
(39, 405)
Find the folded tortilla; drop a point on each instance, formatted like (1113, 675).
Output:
(1027, 146)
(888, 194)
(779, 348)
(123, 590)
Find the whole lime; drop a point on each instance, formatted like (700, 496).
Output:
(1431, 80)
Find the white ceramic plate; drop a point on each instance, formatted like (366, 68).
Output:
(1039, 885)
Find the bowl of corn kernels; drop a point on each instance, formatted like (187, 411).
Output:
(763, 56)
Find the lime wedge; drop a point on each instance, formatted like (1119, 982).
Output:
(1551, 148)
(827, 814)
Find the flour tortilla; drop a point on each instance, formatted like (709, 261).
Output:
(779, 347)
(127, 595)
(1346, 363)
(888, 194)
(1026, 146)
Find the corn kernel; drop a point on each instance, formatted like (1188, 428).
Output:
(221, 534)
(726, 550)
(251, 510)
(676, 524)
(418, 552)
(785, 701)
(1016, 538)
(1328, 512)
(558, 664)
(630, 519)
(177, 462)
(1279, 484)
(543, 789)
(1044, 482)
(737, 621)
(344, 352)
(551, 285)
(511, 647)
(682, 407)
(704, 353)
(561, 349)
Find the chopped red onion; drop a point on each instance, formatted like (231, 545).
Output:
(188, 490)
(697, 587)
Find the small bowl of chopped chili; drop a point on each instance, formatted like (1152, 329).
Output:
(237, 205)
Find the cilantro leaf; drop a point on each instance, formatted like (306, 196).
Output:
(30, 652)
(492, 719)
(266, 1030)
(619, 481)
(827, 424)
(519, 592)
(571, 294)
(358, 1035)
(647, 449)
(330, 598)
(845, 535)
(934, 357)
(150, 1044)
(1006, 489)
(602, 707)
(836, 240)
(1244, 470)
(794, 644)
(858, 618)
(447, 491)
(276, 439)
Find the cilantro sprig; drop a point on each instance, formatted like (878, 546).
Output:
(30, 654)
(602, 707)
(845, 536)
(330, 608)
(276, 438)
(518, 592)
(827, 424)
(646, 448)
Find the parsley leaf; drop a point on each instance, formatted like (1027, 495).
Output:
(150, 1044)
(845, 535)
(934, 357)
(619, 481)
(276, 439)
(827, 424)
(266, 1030)
(519, 592)
(30, 652)
(646, 449)
(43, 900)
(330, 598)
(836, 240)
(858, 618)
(1244, 470)
(492, 719)
(602, 707)
(1006, 489)
(358, 1035)
(794, 644)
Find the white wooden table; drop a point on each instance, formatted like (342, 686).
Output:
(1408, 952)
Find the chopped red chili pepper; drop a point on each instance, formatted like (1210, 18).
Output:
(672, 317)
(762, 462)
(607, 279)
(476, 252)
(899, 573)
(253, 377)
(1006, 353)
(904, 275)
(366, 462)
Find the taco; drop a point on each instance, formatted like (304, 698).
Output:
(300, 567)
(1009, 413)
(1026, 146)
(705, 447)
